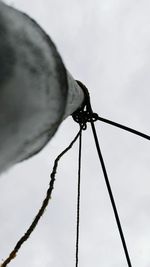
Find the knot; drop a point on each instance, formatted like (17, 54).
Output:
(84, 113)
(82, 116)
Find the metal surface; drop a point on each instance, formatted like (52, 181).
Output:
(36, 91)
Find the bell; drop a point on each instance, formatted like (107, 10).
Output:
(36, 91)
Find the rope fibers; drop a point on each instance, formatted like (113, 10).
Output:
(43, 207)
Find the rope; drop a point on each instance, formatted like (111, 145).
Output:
(83, 115)
(111, 195)
(43, 207)
(124, 127)
(78, 200)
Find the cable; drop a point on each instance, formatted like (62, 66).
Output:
(111, 195)
(42, 209)
(124, 127)
(78, 200)
(83, 115)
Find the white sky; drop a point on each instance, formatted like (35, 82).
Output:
(105, 44)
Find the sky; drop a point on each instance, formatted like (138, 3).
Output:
(106, 45)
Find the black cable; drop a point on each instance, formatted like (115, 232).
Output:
(109, 190)
(83, 115)
(124, 127)
(78, 200)
(111, 195)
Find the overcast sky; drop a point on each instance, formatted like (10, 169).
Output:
(105, 44)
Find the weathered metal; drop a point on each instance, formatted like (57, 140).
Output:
(36, 90)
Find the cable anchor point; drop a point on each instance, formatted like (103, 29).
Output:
(84, 113)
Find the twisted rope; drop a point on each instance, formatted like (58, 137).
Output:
(40, 213)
